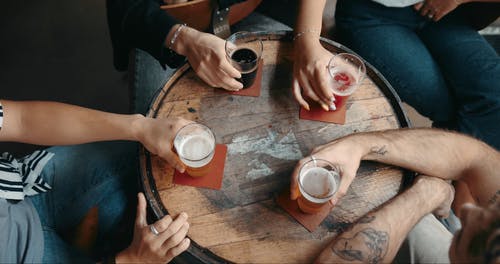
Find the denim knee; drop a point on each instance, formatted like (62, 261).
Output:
(480, 117)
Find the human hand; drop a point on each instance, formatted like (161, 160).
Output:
(310, 74)
(207, 56)
(157, 136)
(436, 186)
(436, 9)
(147, 247)
(345, 153)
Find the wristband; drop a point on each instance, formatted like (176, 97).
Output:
(174, 37)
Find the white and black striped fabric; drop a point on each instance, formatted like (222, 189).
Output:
(1, 115)
(21, 177)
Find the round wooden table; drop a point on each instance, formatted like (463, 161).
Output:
(265, 138)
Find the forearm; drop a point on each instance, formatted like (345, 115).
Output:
(50, 123)
(376, 237)
(437, 153)
(308, 24)
(310, 15)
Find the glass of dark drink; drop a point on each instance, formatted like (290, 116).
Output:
(244, 50)
(347, 71)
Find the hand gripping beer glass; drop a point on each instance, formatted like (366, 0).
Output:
(243, 50)
(195, 145)
(347, 71)
(318, 182)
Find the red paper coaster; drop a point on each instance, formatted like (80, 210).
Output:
(253, 90)
(319, 114)
(213, 179)
(309, 221)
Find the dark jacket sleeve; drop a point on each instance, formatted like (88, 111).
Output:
(140, 24)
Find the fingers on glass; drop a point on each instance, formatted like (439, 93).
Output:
(298, 95)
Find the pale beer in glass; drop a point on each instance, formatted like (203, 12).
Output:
(195, 145)
(318, 182)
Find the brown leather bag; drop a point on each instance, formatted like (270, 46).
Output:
(198, 13)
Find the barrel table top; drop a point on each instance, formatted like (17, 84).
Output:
(242, 222)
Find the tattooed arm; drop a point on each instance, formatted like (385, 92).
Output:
(377, 237)
(447, 155)
(432, 152)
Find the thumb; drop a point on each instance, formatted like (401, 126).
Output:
(173, 160)
(140, 219)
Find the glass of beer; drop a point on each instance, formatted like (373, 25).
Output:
(244, 50)
(347, 71)
(195, 145)
(318, 182)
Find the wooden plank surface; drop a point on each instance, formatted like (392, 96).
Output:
(265, 138)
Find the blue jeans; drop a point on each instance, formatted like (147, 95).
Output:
(445, 70)
(100, 174)
(149, 77)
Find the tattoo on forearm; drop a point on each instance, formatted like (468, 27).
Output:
(366, 219)
(368, 246)
(494, 198)
(380, 150)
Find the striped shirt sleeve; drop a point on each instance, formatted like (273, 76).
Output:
(1, 115)
(22, 177)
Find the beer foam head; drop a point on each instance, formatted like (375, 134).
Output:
(317, 183)
(196, 147)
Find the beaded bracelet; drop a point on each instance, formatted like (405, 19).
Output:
(314, 31)
(174, 37)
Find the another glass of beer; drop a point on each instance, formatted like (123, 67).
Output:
(347, 71)
(195, 145)
(244, 50)
(318, 182)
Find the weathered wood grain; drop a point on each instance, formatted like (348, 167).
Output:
(265, 138)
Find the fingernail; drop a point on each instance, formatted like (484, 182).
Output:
(332, 99)
(325, 107)
(184, 215)
(307, 108)
(333, 201)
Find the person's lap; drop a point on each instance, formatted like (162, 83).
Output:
(472, 69)
(446, 70)
(102, 175)
(400, 56)
(427, 242)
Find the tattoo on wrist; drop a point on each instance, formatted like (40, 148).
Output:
(380, 150)
(494, 198)
(367, 246)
